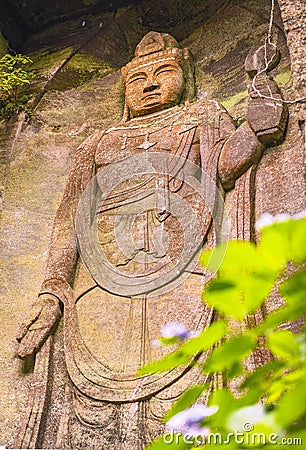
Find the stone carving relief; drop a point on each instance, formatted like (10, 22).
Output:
(141, 200)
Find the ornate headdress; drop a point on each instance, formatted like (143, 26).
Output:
(155, 47)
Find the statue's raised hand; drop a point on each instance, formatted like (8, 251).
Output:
(267, 114)
(40, 323)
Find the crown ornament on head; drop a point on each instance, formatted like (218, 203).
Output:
(155, 47)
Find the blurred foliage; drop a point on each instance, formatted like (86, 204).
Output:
(13, 77)
(269, 407)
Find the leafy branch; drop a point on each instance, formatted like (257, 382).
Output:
(13, 77)
(269, 405)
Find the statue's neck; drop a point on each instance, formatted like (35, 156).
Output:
(158, 119)
(163, 114)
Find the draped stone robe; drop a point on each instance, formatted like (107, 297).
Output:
(107, 337)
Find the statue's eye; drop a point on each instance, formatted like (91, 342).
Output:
(137, 78)
(165, 70)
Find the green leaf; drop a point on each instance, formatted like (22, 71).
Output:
(213, 258)
(225, 296)
(208, 337)
(289, 441)
(230, 352)
(283, 242)
(188, 349)
(227, 403)
(256, 287)
(273, 248)
(283, 382)
(169, 362)
(245, 279)
(12, 78)
(235, 370)
(283, 344)
(254, 395)
(286, 313)
(292, 406)
(293, 378)
(170, 341)
(294, 288)
(185, 400)
(240, 294)
(298, 236)
(276, 390)
(240, 257)
(213, 442)
(260, 375)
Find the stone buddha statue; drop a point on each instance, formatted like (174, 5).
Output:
(141, 200)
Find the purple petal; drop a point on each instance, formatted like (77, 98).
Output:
(190, 418)
(174, 329)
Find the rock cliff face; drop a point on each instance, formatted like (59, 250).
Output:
(294, 16)
(77, 47)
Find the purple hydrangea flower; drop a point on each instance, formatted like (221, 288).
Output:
(267, 219)
(300, 215)
(178, 330)
(190, 420)
(174, 329)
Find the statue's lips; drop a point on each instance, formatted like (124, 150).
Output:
(151, 98)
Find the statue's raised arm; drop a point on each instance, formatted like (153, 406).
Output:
(266, 117)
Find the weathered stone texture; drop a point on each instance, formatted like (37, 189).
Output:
(79, 91)
(294, 18)
(3, 45)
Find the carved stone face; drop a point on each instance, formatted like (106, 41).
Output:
(154, 87)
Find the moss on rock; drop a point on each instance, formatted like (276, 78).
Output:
(45, 63)
(236, 106)
(3, 45)
(63, 70)
(79, 70)
(284, 79)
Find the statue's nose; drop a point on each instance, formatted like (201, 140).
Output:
(151, 84)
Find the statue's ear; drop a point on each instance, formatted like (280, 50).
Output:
(124, 72)
(126, 113)
(189, 73)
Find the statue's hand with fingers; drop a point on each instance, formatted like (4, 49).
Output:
(267, 113)
(40, 323)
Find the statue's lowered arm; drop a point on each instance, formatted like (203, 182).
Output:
(63, 255)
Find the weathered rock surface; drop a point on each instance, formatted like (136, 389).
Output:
(77, 48)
